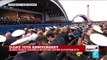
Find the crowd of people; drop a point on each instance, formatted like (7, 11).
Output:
(74, 34)
(18, 21)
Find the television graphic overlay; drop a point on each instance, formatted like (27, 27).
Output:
(95, 54)
(92, 48)
(53, 30)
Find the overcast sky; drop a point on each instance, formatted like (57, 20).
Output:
(98, 9)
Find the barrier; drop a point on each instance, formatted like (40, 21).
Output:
(11, 28)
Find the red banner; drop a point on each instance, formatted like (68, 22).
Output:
(48, 48)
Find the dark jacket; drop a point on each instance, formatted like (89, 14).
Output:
(58, 41)
(4, 53)
(65, 36)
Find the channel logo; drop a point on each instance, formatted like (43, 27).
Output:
(92, 48)
(95, 54)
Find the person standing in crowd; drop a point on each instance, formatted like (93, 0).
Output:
(41, 40)
(84, 39)
(17, 34)
(4, 53)
(64, 34)
(54, 38)
(58, 40)
(40, 33)
(50, 36)
(9, 38)
(33, 35)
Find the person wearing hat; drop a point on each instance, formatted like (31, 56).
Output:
(2, 40)
(21, 41)
(85, 38)
(101, 41)
(33, 36)
(97, 29)
(25, 40)
(18, 34)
